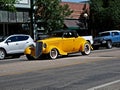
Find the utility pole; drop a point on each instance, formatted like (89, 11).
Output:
(33, 24)
(31, 19)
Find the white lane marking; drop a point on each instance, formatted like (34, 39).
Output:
(104, 85)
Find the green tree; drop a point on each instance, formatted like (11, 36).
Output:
(52, 14)
(105, 14)
(8, 4)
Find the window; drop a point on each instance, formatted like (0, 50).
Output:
(115, 33)
(71, 34)
(68, 34)
(104, 34)
(22, 38)
(12, 39)
(19, 16)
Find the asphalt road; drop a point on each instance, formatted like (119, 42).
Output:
(75, 72)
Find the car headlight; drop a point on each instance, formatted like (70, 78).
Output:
(44, 45)
(103, 40)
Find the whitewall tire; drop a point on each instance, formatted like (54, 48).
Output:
(53, 53)
(87, 49)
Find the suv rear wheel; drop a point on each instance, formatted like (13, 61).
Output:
(2, 54)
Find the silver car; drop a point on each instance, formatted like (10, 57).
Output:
(14, 45)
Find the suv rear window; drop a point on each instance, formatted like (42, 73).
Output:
(18, 38)
(22, 38)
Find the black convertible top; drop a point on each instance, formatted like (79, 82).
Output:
(59, 33)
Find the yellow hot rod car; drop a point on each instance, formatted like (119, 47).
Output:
(61, 42)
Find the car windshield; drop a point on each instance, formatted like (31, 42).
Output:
(56, 34)
(2, 38)
(104, 34)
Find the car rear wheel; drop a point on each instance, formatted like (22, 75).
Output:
(53, 53)
(87, 49)
(2, 54)
(109, 44)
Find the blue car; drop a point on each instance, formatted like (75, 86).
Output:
(107, 39)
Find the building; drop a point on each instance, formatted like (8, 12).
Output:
(78, 20)
(78, 9)
(14, 22)
(19, 21)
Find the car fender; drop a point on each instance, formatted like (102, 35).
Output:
(83, 45)
(30, 50)
(3, 49)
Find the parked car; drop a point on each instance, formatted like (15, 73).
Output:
(89, 39)
(14, 45)
(107, 39)
(61, 42)
(86, 35)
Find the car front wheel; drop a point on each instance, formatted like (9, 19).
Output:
(87, 49)
(109, 44)
(2, 54)
(53, 53)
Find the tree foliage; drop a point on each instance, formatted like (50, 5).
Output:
(52, 14)
(105, 14)
(8, 4)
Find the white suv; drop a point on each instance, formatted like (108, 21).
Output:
(14, 45)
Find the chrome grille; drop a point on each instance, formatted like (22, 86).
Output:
(38, 52)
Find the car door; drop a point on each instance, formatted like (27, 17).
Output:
(119, 37)
(11, 45)
(68, 44)
(22, 43)
(116, 37)
(75, 41)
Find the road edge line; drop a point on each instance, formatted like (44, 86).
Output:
(103, 85)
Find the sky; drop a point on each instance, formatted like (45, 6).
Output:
(74, 0)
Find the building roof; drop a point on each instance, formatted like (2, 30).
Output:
(77, 8)
(71, 24)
